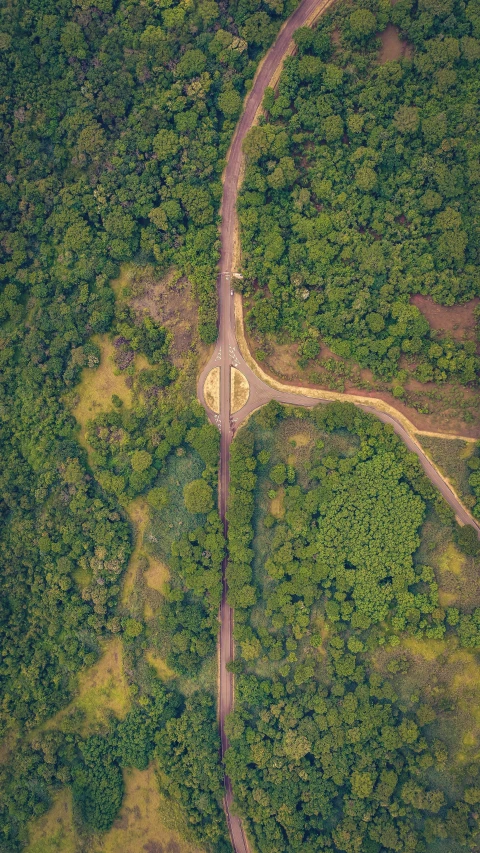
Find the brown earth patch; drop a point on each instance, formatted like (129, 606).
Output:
(168, 300)
(393, 47)
(456, 320)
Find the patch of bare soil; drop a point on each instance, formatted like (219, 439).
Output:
(393, 47)
(170, 302)
(455, 320)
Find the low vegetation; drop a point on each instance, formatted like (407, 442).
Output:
(345, 734)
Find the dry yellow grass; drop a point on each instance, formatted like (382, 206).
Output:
(123, 280)
(138, 828)
(239, 390)
(301, 439)
(211, 390)
(101, 689)
(446, 599)
(160, 666)
(429, 650)
(452, 560)
(157, 574)
(97, 386)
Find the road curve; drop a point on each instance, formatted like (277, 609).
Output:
(227, 354)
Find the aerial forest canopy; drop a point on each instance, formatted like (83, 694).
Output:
(361, 190)
(115, 121)
(342, 738)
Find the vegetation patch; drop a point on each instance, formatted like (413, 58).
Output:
(54, 832)
(102, 691)
(349, 671)
(452, 560)
(458, 460)
(138, 513)
(156, 575)
(98, 384)
(168, 300)
(142, 823)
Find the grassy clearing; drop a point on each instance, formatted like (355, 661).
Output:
(452, 560)
(277, 507)
(161, 668)
(451, 456)
(157, 574)
(138, 512)
(447, 677)
(457, 575)
(141, 826)
(97, 386)
(102, 690)
(54, 832)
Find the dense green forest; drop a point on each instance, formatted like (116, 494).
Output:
(115, 120)
(362, 189)
(333, 743)
(132, 453)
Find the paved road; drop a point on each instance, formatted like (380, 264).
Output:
(227, 354)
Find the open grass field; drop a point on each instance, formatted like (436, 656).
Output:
(102, 690)
(97, 385)
(457, 575)
(140, 826)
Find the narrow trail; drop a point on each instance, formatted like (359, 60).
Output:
(227, 354)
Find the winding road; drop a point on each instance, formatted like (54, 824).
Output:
(227, 354)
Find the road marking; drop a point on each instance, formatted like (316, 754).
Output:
(233, 356)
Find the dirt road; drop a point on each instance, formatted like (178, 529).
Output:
(227, 355)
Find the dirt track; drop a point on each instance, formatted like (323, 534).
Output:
(227, 354)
